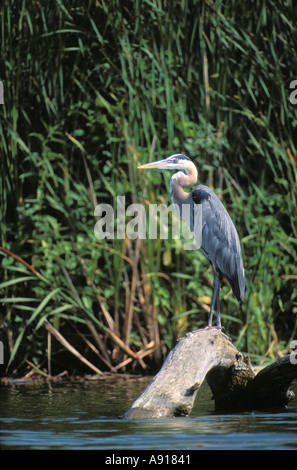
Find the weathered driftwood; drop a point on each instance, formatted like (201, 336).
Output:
(209, 354)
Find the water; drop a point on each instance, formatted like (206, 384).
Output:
(87, 415)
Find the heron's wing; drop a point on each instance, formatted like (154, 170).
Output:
(220, 241)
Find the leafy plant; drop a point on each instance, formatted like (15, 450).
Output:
(92, 91)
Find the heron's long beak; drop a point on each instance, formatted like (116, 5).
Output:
(161, 165)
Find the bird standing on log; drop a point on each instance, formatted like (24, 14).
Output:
(215, 233)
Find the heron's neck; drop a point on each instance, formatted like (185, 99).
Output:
(179, 181)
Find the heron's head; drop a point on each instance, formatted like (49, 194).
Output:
(177, 161)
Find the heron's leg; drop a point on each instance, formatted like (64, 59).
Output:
(218, 304)
(215, 302)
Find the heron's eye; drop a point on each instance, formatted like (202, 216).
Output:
(176, 160)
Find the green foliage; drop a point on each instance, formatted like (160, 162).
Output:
(92, 91)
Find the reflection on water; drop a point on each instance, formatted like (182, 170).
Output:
(86, 415)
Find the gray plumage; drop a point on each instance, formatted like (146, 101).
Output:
(220, 241)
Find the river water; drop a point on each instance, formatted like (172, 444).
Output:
(87, 415)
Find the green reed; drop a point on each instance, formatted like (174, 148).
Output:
(90, 93)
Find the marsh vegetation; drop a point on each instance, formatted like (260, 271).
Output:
(90, 92)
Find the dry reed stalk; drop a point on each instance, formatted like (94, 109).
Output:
(70, 348)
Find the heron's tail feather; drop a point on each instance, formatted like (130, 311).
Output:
(238, 284)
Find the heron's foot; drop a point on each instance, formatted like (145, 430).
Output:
(209, 324)
(218, 325)
(213, 327)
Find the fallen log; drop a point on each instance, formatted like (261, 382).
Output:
(208, 354)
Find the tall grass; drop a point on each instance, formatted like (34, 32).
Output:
(89, 93)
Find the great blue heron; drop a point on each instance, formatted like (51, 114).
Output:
(219, 242)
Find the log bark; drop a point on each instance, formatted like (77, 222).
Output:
(208, 354)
